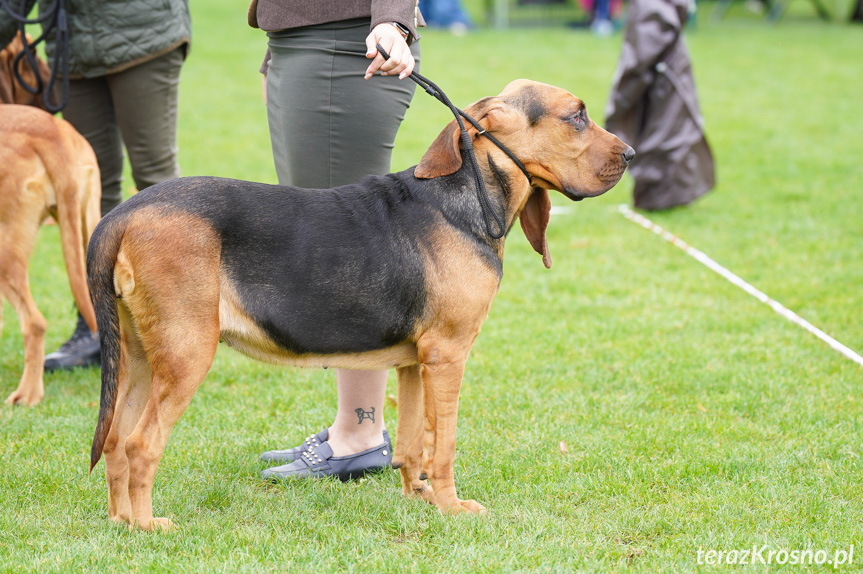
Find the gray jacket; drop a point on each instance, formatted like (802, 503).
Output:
(272, 15)
(107, 36)
(653, 107)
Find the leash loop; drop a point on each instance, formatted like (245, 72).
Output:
(488, 211)
(53, 17)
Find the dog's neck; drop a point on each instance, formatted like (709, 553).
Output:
(506, 183)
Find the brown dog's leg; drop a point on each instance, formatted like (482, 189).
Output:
(176, 376)
(441, 371)
(180, 332)
(409, 440)
(170, 300)
(133, 391)
(15, 287)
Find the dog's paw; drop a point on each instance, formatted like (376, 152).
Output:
(21, 398)
(463, 506)
(420, 490)
(155, 524)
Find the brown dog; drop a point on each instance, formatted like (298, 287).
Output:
(398, 271)
(46, 168)
(11, 91)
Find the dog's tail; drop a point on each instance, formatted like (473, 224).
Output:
(77, 215)
(101, 258)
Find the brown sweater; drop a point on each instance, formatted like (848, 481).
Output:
(273, 15)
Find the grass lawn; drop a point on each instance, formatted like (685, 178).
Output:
(693, 416)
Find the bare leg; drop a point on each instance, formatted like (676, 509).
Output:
(359, 423)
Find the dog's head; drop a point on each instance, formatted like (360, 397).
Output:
(11, 92)
(549, 130)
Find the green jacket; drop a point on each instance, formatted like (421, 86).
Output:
(107, 36)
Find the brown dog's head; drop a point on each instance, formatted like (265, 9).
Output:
(11, 92)
(548, 129)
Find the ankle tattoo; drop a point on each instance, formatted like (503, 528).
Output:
(365, 415)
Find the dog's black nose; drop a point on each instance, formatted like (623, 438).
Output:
(628, 155)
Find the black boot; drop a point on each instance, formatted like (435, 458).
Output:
(81, 350)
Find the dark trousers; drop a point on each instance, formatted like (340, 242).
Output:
(136, 108)
(328, 125)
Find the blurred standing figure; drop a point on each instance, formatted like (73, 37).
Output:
(654, 107)
(332, 122)
(446, 14)
(124, 73)
(602, 24)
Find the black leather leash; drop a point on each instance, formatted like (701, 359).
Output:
(54, 17)
(488, 211)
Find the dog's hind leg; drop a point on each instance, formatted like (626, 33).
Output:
(15, 287)
(441, 370)
(173, 298)
(179, 354)
(409, 440)
(133, 391)
(186, 353)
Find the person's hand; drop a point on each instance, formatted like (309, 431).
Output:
(264, 88)
(401, 60)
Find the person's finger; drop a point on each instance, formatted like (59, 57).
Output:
(374, 66)
(378, 60)
(401, 62)
(395, 61)
(371, 46)
(409, 69)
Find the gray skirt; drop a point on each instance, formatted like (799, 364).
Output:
(328, 125)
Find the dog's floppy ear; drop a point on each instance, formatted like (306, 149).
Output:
(534, 221)
(444, 155)
(11, 91)
(6, 94)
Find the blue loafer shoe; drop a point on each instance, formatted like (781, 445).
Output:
(314, 440)
(318, 461)
(292, 454)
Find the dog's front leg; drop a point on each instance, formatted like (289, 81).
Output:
(441, 372)
(409, 440)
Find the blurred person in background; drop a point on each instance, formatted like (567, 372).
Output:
(653, 106)
(448, 14)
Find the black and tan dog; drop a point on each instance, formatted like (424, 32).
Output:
(395, 272)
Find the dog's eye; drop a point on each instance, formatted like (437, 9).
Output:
(579, 120)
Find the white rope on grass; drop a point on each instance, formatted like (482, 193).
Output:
(711, 264)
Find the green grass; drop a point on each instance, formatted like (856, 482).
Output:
(693, 415)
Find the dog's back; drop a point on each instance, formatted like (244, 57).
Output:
(339, 251)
